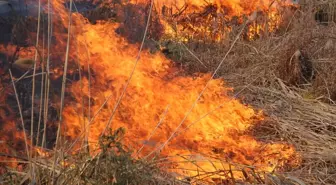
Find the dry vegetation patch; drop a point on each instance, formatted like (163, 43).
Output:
(290, 74)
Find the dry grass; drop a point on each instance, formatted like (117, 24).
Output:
(265, 74)
(113, 164)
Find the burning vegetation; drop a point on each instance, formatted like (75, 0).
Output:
(92, 92)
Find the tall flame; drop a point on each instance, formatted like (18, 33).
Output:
(157, 99)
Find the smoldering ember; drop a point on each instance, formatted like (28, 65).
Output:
(167, 92)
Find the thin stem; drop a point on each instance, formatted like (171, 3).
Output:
(202, 92)
(21, 116)
(33, 87)
(132, 72)
(42, 88)
(157, 126)
(87, 124)
(47, 85)
(63, 89)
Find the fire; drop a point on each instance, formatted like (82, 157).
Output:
(157, 98)
(11, 144)
(231, 7)
(153, 89)
(214, 19)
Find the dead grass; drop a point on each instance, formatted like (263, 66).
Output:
(265, 74)
(112, 164)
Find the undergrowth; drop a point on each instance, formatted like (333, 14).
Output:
(111, 163)
(264, 73)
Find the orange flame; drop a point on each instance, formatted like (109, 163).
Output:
(231, 7)
(157, 99)
(218, 24)
(153, 88)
